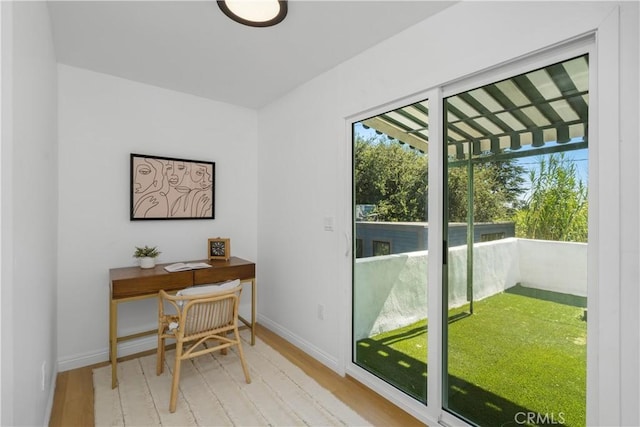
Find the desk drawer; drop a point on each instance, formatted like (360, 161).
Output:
(137, 286)
(220, 274)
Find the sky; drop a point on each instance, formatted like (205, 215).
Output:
(579, 157)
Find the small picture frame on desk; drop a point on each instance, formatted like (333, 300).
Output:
(219, 248)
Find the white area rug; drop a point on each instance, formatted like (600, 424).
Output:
(213, 392)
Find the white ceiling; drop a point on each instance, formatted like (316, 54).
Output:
(191, 47)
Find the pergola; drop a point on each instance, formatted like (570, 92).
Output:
(540, 112)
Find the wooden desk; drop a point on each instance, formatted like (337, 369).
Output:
(135, 283)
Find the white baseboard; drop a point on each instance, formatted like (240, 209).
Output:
(91, 358)
(148, 343)
(313, 351)
(126, 348)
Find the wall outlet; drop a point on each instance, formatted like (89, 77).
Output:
(44, 375)
(320, 311)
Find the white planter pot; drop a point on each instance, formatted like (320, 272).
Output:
(147, 262)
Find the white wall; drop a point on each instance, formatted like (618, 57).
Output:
(390, 291)
(630, 212)
(304, 160)
(496, 267)
(29, 214)
(102, 120)
(567, 260)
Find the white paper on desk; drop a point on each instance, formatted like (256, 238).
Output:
(184, 266)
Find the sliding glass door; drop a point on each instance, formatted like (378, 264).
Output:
(515, 283)
(509, 327)
(390, 264)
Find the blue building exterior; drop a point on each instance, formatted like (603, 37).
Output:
(382, 238)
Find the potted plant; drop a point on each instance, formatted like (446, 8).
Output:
(147, 256)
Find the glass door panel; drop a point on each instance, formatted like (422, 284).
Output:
(514, 323)
(390, 247)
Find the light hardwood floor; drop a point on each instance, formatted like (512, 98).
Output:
(73, 400)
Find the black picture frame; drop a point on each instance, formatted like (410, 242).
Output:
(164, 188)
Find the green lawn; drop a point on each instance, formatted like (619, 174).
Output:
(518, 352)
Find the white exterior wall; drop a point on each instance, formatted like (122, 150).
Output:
(391, 291)
(495, 268)
(102, 120)
(567, 263)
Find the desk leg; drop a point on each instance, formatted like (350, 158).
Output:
(253, 311)
(113, 342)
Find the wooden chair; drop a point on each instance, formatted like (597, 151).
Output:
(202, 313)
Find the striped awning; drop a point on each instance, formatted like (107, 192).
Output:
(544, 110)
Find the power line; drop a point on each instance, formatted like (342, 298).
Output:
(566, 160)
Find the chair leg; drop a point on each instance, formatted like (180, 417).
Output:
(160, 355)
(223, 351)
(241, 354)
(176, 378)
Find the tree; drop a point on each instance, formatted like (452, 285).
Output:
(391, 176)
(557, 206)
(497, 187)
(394, 178)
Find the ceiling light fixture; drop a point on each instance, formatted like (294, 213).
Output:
(255, 13)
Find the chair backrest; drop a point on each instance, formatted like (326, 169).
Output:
(204, 314)
(202, 309)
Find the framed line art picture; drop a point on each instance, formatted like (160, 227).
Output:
(171, 188)
(219, 248)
